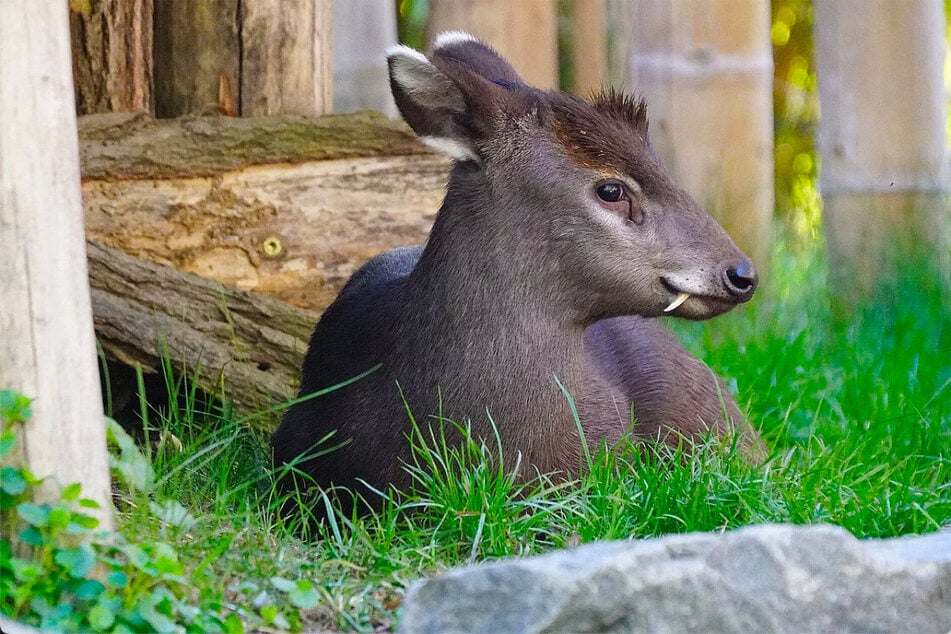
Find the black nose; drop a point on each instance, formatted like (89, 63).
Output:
(740, 280)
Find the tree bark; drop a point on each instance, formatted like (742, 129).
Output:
(286, 57)
(885, 182)
(196, 43)
(249, 343)
(47, 347)
(112, 56)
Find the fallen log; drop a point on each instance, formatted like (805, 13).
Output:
(287, 206)
(249, 343)
(217, 241)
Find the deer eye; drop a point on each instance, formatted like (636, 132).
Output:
(614, 198)
(610, 192)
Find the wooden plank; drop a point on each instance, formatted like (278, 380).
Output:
(196, 41)
(871, 141)
(361, 78)
(47, 347)
(112, 56)
(524, 32)
(886, 186)
(706, 71)
(619, 29)
(287, 57)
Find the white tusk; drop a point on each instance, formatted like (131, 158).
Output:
(680, 299)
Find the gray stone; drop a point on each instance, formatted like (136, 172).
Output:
(9, 626)
(776, 578)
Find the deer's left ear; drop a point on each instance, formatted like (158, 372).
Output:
(431, 103)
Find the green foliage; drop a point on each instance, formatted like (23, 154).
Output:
(57, 572)
(411, 17)
(796, 116)
(130, 465)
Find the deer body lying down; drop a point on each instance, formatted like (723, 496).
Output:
(560, 237)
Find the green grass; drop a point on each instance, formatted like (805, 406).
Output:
(857, 415)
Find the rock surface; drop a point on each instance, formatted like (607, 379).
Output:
(777, 578)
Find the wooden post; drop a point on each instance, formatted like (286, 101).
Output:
(706, 71)
(589, 46)
(47, 348)
(619, 29)
(112, 56)
(196, 43)
(882, 138)
(287, 57)
(364, 30)
(524, 32)
(253, 57)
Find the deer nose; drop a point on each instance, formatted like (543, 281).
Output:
(740, 280)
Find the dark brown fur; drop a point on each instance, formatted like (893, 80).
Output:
(526, 276)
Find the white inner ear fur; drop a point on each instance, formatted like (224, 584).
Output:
(453, 148)
(448, 38)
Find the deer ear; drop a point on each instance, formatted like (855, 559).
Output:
(430, 102)
(476, 57)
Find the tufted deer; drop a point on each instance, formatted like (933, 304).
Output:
(560, 237)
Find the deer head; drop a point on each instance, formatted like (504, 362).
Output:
(571, 187)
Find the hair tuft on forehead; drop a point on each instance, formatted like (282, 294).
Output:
(608, 131)
(630, 109)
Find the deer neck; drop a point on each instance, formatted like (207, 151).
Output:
(484, 271)
(479, 304)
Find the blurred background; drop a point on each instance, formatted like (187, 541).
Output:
(732, 86)
(603, 42)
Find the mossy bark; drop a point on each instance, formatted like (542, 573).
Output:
(122, 146)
